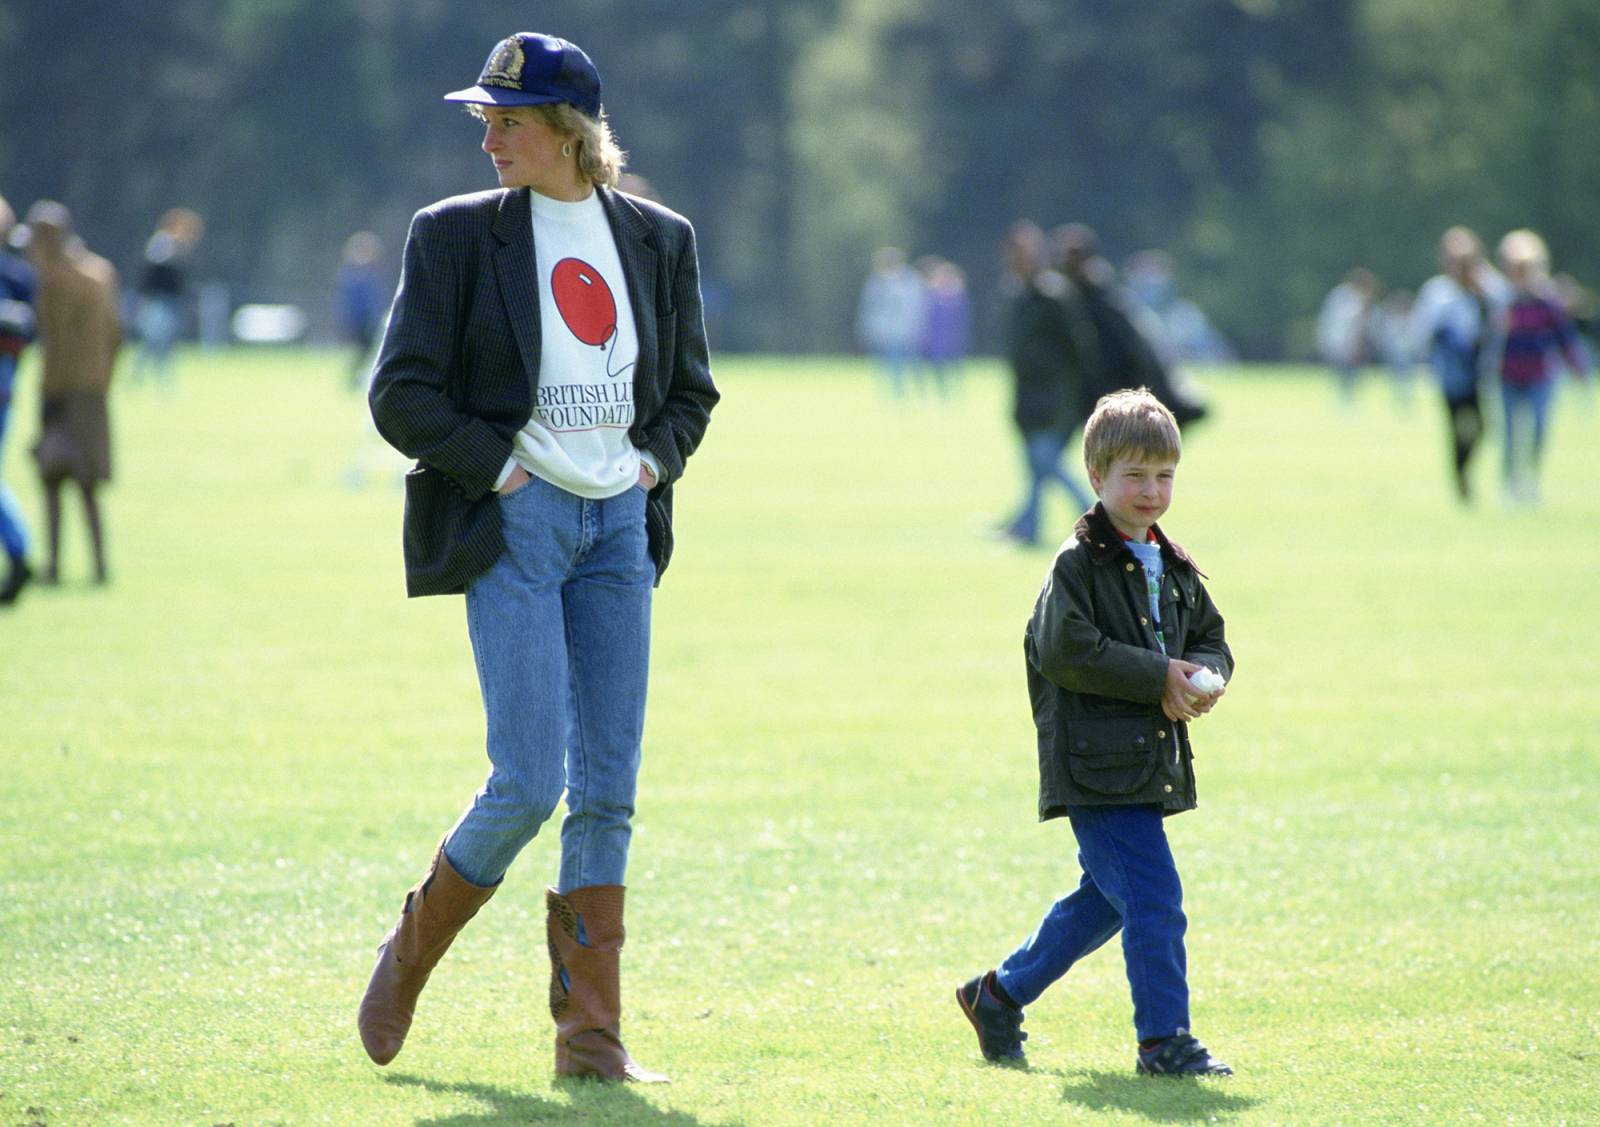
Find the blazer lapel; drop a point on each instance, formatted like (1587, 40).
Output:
(516, 270)
(637, 250)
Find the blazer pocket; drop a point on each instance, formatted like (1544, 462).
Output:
(447, 538)
(1112, 755)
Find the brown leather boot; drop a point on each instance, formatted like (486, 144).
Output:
(434, 911)
(588, 1006)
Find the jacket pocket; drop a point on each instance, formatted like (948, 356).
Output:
(1112, 755)
(447, 539)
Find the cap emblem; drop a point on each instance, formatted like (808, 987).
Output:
(504, 67)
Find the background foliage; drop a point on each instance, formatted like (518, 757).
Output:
(1270, 144)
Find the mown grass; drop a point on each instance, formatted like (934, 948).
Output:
(221, 773)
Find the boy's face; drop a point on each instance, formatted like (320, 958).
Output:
(1136, 491)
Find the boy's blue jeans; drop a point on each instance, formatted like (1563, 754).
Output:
(1129, 883)
(560, 629)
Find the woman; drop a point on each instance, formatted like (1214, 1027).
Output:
(1452, 324)
(545, 363)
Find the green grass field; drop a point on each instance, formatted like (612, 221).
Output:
(222, 773)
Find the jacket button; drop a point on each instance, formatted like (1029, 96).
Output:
(1162, 734)
(1129, 567)
(1143, 621)
(1167, 788)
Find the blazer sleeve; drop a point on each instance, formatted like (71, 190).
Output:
(1065, 645)
(411, 397)
(675, 431)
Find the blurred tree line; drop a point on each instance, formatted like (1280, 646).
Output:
(1268, 144)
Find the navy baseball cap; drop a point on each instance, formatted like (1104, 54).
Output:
(529, 69)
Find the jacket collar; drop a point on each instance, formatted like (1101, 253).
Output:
(515, 216)
(1104, 543)
(627, 222)
(514, 221)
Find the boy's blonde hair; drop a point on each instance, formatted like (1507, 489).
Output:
(1128, 423)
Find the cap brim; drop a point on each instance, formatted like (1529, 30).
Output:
(498, 96)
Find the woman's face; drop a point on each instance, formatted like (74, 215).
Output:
(527, 152)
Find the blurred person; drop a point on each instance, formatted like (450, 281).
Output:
(1344, 328)
(1121, 354)
(1047, 365)
(889, 315)
(1390, 321)
(1124, 650)
(1454, 325)
(1537, 330)
(946, 322)
(1186, 334)
(17, 327)
(545, 363)
(361, 295)
(163, 288)
(79, 334)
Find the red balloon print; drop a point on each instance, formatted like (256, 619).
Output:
(584, 300)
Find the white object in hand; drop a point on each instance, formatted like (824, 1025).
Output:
(1206, 679)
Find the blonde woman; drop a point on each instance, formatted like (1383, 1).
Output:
(545, 363)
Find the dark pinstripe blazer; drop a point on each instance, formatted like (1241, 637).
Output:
(460, 360)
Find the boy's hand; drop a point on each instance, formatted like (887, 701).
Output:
(1179, 699)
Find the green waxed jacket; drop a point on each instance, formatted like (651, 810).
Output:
(1096, 673)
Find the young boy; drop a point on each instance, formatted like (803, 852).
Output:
(1121, 626)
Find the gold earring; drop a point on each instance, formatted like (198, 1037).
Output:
(566, 149)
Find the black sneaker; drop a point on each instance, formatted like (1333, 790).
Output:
(1180, 1055)
(999, 1026)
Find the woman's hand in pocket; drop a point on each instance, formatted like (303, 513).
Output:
(514, 481)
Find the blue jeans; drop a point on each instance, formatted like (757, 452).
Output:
(1130, 883)
(1533, 400)
(560, 629)
(13, 532)
(1042, 451)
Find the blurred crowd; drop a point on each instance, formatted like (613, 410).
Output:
(1509, 327)
(58, 295)
(1074, 330)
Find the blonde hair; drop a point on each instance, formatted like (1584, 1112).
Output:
(1127, 423)
(1524, 251)
(600, 158)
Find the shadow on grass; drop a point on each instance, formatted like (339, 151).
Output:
(591, 1102)
(1163, 1099)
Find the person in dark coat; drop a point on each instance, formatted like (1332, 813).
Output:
(1121, 356)
(545, 363)
(1125, 648)
(1047, 364)
(163, 290)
